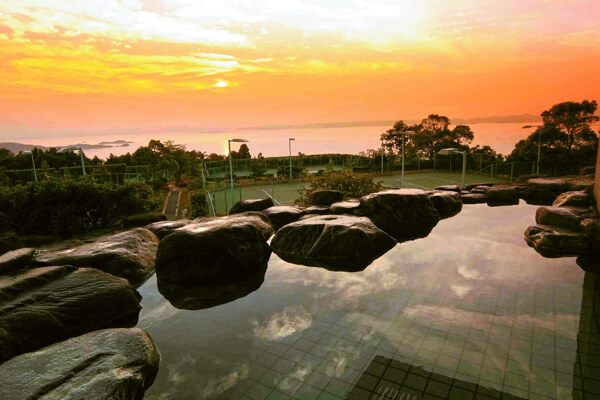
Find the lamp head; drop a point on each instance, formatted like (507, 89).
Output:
(238, 140)
(448, 151)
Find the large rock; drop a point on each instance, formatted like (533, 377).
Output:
(251, 205)
(325, 197)
(447, 204)
(502, 196)
(163, 228)
(345, 207)
(132, 221)
(318, 210)
(448, 188)
(15, 260)
(10, 241)
(541, 191)
(523, 179)
(473, 198)
(283, 215)
(589, 170)
(334, 242)
(111, 364)
(572, 199)
(481, 189)
(212, 261)
(553, 242)
(471, 186)
(591, 228)
(45, 305)
(558, 217)
(404, 214)
(129, 255)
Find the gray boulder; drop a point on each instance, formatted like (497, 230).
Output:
(502, 196)
(251, 205)
(481, 189)
(447, 204)
(45, 305)
(572, 199)
(558, 217)
(345, 207)
(132, 221)
(325, 197)
(129, 255)
(448, 188)
(283, 215)
(317, 210)
(15, 260)
(541, 191)
(10, 241)
(163, 228)
(473, 198)
(404, 214)
(471, 186)
(209, 257)
(334, 242)
(553, 242)
(111, 364)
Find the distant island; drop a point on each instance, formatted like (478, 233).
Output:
(15, 148)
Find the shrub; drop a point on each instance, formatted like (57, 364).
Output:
(66, 207)
(199, 204)
(352, 185)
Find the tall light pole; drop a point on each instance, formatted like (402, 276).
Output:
(451, 151)
(73, 148)
(231, 165)
(33, 162)
(290, 145)
(404, 133)
(539, 128)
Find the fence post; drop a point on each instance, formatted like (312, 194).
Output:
(225, 198)
(240, 191)
(532, 167)
(491, 171)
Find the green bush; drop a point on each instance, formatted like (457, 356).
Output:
(352, 185)
(199, 204)
(66, 207)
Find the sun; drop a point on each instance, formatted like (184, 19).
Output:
(221, 84)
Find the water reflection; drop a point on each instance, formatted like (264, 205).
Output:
(197, 295)
(471, 302)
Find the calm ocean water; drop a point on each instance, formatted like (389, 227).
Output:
(501, 136)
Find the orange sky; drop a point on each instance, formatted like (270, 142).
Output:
(88, 66)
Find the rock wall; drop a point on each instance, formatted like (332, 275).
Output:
(597, 181)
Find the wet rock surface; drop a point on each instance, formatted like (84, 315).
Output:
(132, 221)
(345, 207)
(473, 198)
(558, 217)
(251, 205)
(572, 199)
(283, 215)
(502, 196)
(552, 242)
(163, 228)
(213, 259)
(447, 204)
(334, 242)
(319, 210)
(129, 255)
(474, 185)
(103, 365)
(448, 188)
(404, 214)
(542, 191)
(15, 260)
(325, 197)
(45, 305)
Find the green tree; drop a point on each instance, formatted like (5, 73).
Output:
(574, 119)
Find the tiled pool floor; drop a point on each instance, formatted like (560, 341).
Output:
(468, 312)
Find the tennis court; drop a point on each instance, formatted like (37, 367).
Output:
(286, 193)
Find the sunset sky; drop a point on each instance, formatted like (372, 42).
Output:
(87, 67)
